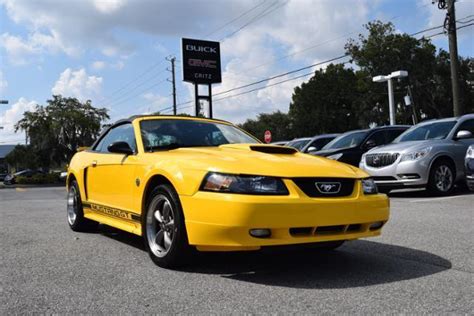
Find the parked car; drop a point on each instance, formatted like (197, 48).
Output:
(428, 155)
(350, 146)
(281, 143)
(298, 143)
(318, 142)
(2, 176)
(27, 173)
(469, 164)
(185, 183)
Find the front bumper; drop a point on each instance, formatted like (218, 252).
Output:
(406, 174)
(221, 222)
(469, 168)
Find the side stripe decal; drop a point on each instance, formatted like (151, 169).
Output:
(113, 212)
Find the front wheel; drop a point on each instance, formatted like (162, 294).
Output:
(164, 230)
(442, 176)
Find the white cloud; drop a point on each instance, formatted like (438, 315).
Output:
(77, 84)
(10, 117)
(22, 51)
(109, 6)
(155, 102)
(98, 65)
(3, 83)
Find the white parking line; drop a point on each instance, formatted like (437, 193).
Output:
(427, 200)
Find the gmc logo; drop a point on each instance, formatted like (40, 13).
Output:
(193, 62)
(204, 49)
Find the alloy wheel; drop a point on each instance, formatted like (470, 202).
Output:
(160, 226)
(443, 178)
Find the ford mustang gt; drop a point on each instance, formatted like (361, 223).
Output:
(183, 183)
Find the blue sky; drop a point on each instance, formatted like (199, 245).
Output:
(113, 51)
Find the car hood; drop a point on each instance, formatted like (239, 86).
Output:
(405, 147)
(257, 159)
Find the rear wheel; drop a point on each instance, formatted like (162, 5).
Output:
(442, 176)
(163, 228)
(75, 214)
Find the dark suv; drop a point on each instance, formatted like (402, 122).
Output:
(350, 146)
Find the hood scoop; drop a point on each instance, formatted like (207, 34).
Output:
(267, 149)
(274, 150)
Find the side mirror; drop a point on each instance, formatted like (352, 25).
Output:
(120, 148)
(312, 148)
(463, 134)
(370, 144)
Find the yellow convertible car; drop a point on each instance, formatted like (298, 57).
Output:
(184, 182)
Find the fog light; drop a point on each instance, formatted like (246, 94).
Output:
(376, 225)
(409, 176)
(260, 233)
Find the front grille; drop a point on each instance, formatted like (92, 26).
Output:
(380, 160)
(329, 230)
(309, 186)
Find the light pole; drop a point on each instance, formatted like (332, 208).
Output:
(391, 97)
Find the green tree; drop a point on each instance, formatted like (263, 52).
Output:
(277, 122)
(23, 156)
(56, 130)
(383, 51)
(326, 103)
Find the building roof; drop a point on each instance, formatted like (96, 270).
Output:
(5, 150)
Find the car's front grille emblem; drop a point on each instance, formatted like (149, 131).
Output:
(328, 187)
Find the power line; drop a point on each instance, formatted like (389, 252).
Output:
(297, 70)
(141, 91)
(113, 101)
(262, 14)
(134, 79)
(236, 18)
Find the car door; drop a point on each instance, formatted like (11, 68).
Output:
(111, 176)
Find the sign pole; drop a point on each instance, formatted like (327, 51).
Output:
(196, 98)
(210, 100)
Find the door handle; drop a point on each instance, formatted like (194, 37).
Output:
(94, 163)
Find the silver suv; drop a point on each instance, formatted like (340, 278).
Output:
(430, 154)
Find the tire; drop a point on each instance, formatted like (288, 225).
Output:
(75, 213)
(163, 228)
(442, 177)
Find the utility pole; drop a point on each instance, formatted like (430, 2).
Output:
(450, 28)
(172, 60)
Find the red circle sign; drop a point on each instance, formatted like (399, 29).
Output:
(267, 136)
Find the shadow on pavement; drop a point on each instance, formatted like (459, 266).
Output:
(355, 264)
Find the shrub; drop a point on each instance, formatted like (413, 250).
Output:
(48, 178)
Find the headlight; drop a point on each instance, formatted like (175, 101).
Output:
(416, 154)
(243, 184)
(470, 152)
(369, 186)
(335, 156)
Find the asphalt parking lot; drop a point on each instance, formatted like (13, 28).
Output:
(423, 262)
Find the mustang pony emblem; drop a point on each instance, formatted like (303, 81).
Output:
(328, 187)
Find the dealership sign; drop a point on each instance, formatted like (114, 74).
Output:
(201, 61)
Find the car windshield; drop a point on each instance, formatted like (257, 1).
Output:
(299, 143)
(351, 139)
(170, 134)
(435, 130)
